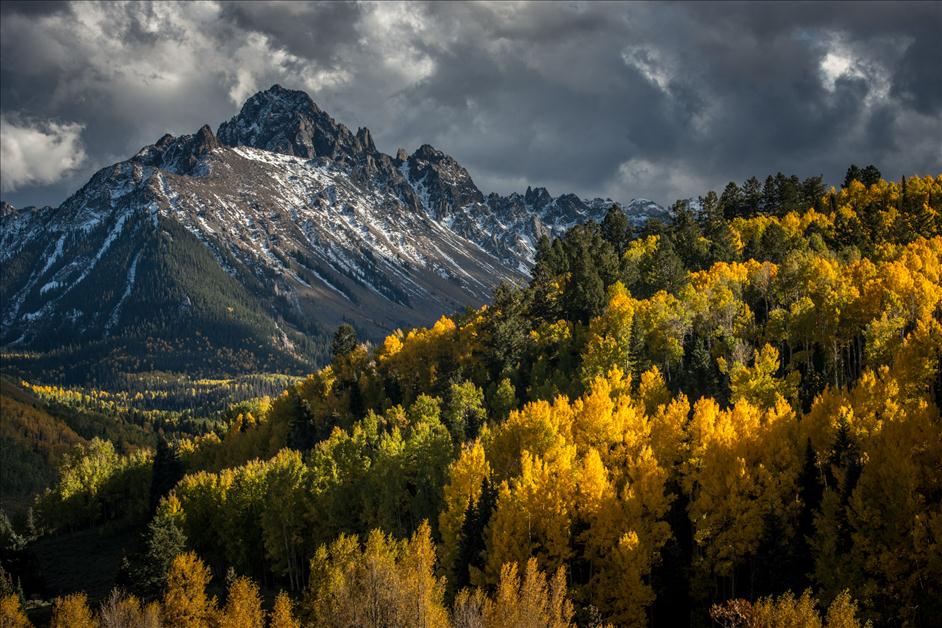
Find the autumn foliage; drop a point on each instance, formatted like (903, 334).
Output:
(732, 418)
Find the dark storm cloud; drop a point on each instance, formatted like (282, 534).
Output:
(33, 7)
(312, 31)
(634, 99)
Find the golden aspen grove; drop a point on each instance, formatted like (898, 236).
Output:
(729, 418)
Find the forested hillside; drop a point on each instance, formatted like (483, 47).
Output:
(730, 417)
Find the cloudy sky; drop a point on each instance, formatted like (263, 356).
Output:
(622, 100)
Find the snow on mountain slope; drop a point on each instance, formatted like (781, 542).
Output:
(283, 225)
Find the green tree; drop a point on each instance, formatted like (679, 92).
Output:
(164, 541)
(616, 229)
(464, 412)
(345, 340)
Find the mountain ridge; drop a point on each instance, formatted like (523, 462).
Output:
(301, 223)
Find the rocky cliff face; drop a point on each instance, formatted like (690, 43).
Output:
(275, 229)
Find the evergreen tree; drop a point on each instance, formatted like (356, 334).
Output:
(844, 459)
(547, 268)
(302, 432)
(853, 174)
(507, 329)
(811, 491)
(870, 175)
(770, 199)
(616, 229)
(812, 192)
(472, 543)
(686, 237)
(585, 291)
(167, 472)
(731, 201)
(774, 244)
(345, 340)
(664, 271)
(751, 197)
(164, 541)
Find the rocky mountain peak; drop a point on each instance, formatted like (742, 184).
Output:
(441, 181)
(365, 140)
(538, 198)
(178, 154)
(288, 122)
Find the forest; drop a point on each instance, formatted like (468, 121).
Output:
(730, 418)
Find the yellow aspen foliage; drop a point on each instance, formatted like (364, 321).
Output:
(609, 344)
(842, 613)
(626, 532)
(243, 607)
(386, 583)
(413, 359)
(534, 513)
(895, 517)
(329, 598)
(668, 431)
(601, 416)
(282, 614)
(652, 391)
(916, 363)
(641, 247)
(539, 428)
(392, 345)
(424, 593)
(758, 384)
(743, 465)
(466, 477)
(593, 486)
(72, 611)
(185, 602)
(530, 602)
(787, 611)
(11, 613)
(663, 321)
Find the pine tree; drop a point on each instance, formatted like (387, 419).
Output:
(870, 175)
(770, 200)
(302, 433)
(345, 340)
(811, 490)
(731, 201)
(664, 271)
(812, 192)
(473, 537)
(616, 229)
(853, 174)
(164, 541)
(751, 197)
(844, 463)
(167, 472)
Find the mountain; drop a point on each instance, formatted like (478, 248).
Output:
(243, 249)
